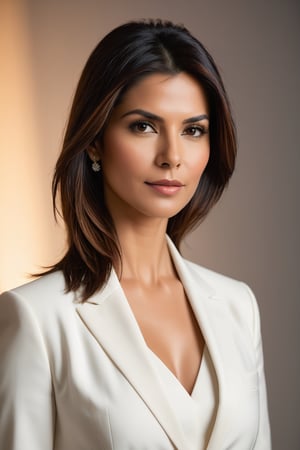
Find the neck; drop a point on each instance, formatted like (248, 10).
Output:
(144, 251)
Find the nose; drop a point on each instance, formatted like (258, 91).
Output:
(169, 154)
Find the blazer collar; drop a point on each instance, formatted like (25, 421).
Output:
(203, 299)
(110, 319)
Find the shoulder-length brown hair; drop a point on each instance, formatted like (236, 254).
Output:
(126, 54)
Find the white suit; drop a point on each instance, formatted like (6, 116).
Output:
(78, 376)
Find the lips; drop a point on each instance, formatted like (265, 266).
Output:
(165, 187)
(165, 183)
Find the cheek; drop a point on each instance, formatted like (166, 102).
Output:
(199, 164)
(123, 154)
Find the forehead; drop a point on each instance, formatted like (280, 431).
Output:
(179, 93)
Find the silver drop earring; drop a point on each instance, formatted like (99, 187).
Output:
(96, 166)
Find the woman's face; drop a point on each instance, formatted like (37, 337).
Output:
(155, 147)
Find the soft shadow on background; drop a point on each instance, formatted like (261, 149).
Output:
(253, 234)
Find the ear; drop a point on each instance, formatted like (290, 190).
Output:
(94, 150)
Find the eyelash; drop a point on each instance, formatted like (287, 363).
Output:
(197, 128)
(134, 126)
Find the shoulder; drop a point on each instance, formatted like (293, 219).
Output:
(40, 296)
(234, 297)
(218, 282)
(48, 283)
(38, 314)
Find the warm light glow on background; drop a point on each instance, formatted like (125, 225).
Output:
(24, 217)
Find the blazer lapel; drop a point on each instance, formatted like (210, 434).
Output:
(109, 318)
(202, 298)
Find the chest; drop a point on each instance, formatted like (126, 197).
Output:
(169, 327)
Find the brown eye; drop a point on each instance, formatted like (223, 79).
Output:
(194, 131)
(142, 127)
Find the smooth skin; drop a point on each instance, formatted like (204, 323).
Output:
(158, 132)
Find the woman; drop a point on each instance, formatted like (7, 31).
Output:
(124, 344)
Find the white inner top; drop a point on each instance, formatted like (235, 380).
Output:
(195, 412)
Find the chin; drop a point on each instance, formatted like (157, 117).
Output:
(163, 213)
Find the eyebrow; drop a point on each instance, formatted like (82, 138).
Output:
(152, 116)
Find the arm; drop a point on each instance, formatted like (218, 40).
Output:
(26, 403)
(263, 439)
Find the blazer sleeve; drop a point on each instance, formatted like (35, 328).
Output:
(26, 400)
(263, 439)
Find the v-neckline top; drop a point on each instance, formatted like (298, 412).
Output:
(195, 412)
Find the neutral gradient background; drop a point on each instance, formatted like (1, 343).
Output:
(253, 234)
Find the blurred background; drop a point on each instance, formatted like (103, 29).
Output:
(253, 234)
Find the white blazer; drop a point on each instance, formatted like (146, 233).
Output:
(79, 376)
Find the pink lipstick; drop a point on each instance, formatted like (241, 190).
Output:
(165, 187)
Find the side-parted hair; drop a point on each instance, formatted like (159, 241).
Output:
(125, 55)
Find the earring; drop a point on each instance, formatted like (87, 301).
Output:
(96, 166)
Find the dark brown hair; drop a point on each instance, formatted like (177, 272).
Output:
(126, 54)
